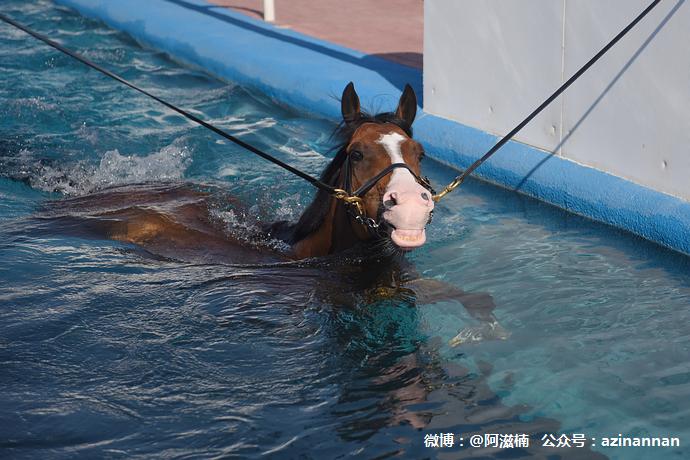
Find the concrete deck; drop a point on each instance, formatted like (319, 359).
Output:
(391, 29)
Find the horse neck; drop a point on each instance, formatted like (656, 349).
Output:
(335, 234)
(325, 227)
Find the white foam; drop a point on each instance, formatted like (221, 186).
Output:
(113, 169)
(228, 171)
(245, 227)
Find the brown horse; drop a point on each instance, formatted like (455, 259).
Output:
(397, 203)
(378, 161)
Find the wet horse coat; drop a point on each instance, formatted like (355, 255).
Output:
(401, 205)
(175, 222)
(177, 219)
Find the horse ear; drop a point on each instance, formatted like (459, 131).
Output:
(407, 107)
(349, 104)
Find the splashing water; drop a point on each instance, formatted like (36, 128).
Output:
(113, 169)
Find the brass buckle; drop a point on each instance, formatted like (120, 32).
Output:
(452, 186)
(355, 201)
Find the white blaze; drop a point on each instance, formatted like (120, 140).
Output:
(401, 177)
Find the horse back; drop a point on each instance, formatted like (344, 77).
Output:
(169, 220)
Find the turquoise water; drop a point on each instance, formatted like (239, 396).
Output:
(108, 351)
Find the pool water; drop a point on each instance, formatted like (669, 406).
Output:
(109, 351)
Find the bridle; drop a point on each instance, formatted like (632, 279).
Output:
(354, 204)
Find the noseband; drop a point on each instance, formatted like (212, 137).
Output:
(354, 204)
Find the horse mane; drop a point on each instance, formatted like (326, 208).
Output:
(315, 214)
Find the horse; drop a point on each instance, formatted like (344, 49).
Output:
(377, 160)
(397, 202)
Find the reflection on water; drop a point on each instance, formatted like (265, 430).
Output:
(112, 350)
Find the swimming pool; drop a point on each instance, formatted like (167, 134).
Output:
(107, 351)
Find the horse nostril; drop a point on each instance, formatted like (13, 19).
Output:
(425, 196)
(390, 200)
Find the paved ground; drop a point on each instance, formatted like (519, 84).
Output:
(392, 29)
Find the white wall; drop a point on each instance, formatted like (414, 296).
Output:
(488, 63)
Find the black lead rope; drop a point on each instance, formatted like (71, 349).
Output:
(314, 181)
(459, 179)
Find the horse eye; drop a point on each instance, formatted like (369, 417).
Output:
(421, 156)
(356, 155)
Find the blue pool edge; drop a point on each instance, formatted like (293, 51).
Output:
(309, 74)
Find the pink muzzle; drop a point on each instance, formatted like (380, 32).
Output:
(408, 209)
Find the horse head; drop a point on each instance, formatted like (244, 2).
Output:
(382, 167)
